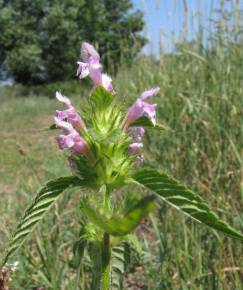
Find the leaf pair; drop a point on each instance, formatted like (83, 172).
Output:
(164, 186)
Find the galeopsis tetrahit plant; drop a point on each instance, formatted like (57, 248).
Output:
(104, 148)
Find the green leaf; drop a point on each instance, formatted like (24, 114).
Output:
(146, 122)
(35, 212)
(183, 199)
(120, 226)
(101, 98)
(51, 127)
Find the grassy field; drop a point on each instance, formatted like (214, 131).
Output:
(200, 101)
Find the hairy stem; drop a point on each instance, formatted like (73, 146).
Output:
(106, 268)
(106, 203)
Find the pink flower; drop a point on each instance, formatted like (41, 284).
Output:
(70, 114)
(134, 149)
(141, 108)
(92, 67)
(70, 138)
(89, 52)
(149, 93)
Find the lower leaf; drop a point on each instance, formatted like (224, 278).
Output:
(35, 212)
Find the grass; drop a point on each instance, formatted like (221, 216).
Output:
(201, 103)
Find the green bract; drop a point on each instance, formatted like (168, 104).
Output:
(108, 162)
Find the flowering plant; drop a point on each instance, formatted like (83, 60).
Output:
(104, 149)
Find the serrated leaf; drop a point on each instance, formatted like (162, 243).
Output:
(101, 98)
(35, 212)
(121, 226)
(183, 199)
(147, 123)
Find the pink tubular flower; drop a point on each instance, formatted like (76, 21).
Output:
(92, 67)
(70, 114)
(149, 93)
(70, 139)
(141, 108)
(89, 52)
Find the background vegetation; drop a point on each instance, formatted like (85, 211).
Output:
(40, 40)
(201, 102)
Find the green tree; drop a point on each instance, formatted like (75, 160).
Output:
(40, 40)
(19, 46)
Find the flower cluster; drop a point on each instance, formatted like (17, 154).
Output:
(75, 135)
(139, 109)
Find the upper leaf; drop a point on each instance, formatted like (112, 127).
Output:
(146, 122)
(182, 198)
(120, 226)
(35, 212)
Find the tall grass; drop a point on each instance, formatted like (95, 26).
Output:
(201, 102)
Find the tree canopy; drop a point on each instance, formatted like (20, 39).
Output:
(40, 40)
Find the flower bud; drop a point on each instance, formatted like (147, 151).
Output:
(88, 52)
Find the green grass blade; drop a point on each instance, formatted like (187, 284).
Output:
(35, 212)
(183, 199)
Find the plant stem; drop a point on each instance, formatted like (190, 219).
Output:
(106, 204)
(106, 255)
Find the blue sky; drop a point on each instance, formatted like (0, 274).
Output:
(164, 19)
